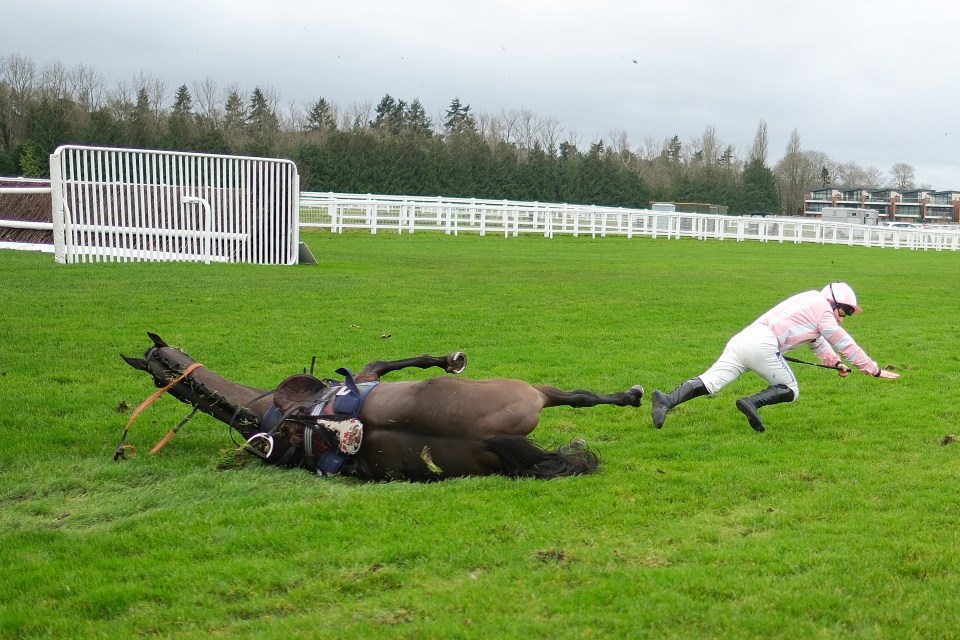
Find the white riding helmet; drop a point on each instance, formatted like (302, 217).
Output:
(841, 293)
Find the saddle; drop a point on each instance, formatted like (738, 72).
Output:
(312, 423)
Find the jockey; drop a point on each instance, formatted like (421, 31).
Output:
(813, 318)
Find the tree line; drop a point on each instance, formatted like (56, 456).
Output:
(395, 147)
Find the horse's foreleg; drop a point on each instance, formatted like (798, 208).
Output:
(579, 398)
(451, 363)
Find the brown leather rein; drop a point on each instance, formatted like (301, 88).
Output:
(121, 451)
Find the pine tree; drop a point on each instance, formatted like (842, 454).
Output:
(234, 113)
(459, 119)
(416, 120)
(181, 123)
(142, 122)
(389, 115)
(759, 188)
(320, 117)
(261, 119)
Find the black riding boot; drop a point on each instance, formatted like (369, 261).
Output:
(771, 395)
(663, 402)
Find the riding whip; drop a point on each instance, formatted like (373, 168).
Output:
(812, 364)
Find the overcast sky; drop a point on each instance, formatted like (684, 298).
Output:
(869, 81)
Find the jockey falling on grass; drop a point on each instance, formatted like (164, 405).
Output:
(813, 318)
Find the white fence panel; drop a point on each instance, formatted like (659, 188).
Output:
(134, 204)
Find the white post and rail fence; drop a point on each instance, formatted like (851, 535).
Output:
(134, 205)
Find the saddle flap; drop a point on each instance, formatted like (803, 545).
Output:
(298, 390)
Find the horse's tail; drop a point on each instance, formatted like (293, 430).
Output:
(523, 458)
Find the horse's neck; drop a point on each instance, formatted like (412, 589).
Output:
(238, 405)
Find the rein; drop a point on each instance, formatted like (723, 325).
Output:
(122, 448)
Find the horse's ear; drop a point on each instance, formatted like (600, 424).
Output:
(157, 340)
(136, 363)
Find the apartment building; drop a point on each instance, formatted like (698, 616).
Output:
(915, 205)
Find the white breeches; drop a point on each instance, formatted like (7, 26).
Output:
(753, 349)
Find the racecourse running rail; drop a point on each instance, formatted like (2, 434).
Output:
(339, 212)
(129, 204)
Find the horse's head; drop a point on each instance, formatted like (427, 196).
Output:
(143, 364)
(239, 406)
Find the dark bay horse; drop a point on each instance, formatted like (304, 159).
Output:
(425, 430)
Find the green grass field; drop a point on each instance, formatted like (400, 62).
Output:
(841, 521)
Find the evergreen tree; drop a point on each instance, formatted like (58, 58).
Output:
(261, 120)
(320, 117)
(759, 188)
(31, 164)
(181, 125)
(103, 129)
(141, 125)
(673, 151)
(416, 120)
(459, 120)
(388, 115)
(49, 124)
(234, 120)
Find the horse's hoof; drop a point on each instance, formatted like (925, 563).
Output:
(636, 391)
(456, 362)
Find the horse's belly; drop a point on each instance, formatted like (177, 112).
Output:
(451, 406)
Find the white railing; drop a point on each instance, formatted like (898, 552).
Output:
(338, 212)
(135, 204)
(209, 238)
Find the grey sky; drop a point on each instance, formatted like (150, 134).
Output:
(868, 81)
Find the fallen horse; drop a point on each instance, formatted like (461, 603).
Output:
(426, 430)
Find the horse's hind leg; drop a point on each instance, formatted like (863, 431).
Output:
(579, 398)
(451, 363)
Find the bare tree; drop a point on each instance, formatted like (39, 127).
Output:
(574, 138)
(156, 91)
(21, 74)
(759, 149)
(356, 116)
(207, 100)
(873, 178)
(649, 149)
(797, 173)
(711, 145)
(903, 176)
(121, 100)
(489, 127)
(529, 128)
(851, 174)
(619, 147)
(87, 87)
(509, 126)
(54, 81)
(706, 150)
(550, 132)
(295, 119)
